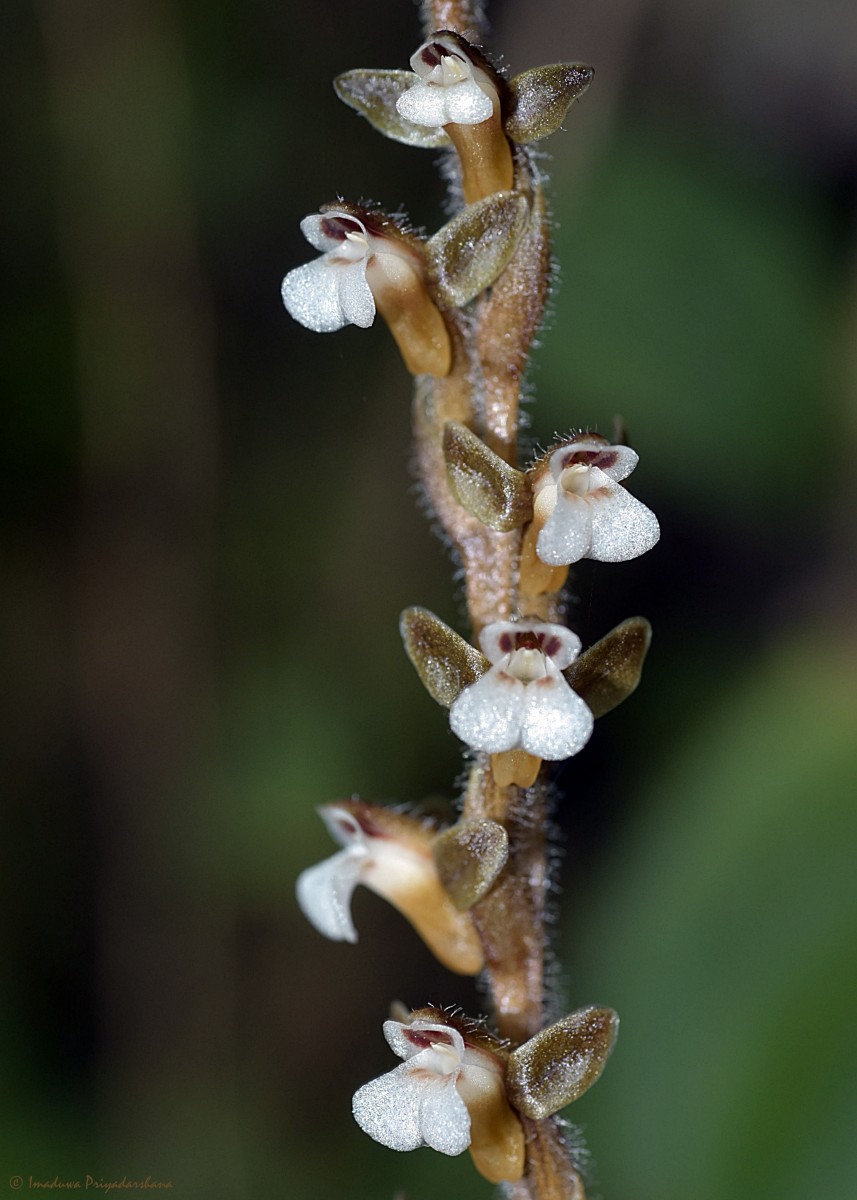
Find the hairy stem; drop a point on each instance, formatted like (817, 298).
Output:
(461, 16)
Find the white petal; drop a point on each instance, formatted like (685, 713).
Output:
(388, 1109)
(312, 227)
(311, 295)
(423, 104)
(444, 1119)
(324, 893)
(355, 295)
(622, 527)
(342, 825)
(399, 1043)
(487, 715)
(467, 104)
(556, 722)
(567, 533)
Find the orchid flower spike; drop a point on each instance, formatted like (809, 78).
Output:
(449, 1094)
(368, 262)
(391, 853)
(456, 90)
(583, 511)
(523, 701)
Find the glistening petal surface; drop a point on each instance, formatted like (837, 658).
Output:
(467, 104)
(444, 1119)
(487, 715)
(388, 1108)
(324, 893)
(423, 104)
(556, 722)
(355, 295)
(622, 527)
(567, 533)
(311, 295)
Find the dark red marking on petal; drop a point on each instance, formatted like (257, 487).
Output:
(551, 645)
(505, 643)
(424, 1040)
(338, 227)
(369, 827)
(608, 459)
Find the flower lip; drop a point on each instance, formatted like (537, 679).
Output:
(523, 702)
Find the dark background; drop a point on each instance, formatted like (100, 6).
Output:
(209, 529)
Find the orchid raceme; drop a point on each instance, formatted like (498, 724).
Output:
(391, 854)
(582, 509)
(464, 306)
(449, 1094)
(523, 701)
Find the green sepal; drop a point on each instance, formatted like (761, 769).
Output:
(469, 857)
(609, 671)
(541, 97)
(483, 482)
(475, 247)
(559, 1064)
(374, 94)
(444, 661)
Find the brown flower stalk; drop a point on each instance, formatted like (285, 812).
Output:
(464, 307)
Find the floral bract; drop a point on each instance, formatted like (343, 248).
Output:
(523, 701)
(584, 510)
(450, 89)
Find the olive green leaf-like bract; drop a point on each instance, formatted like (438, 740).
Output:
(484, 483)
(475, 247)
(469, 856)
(541, 97)
(609, 671)
(444, 661)
(558, 1064)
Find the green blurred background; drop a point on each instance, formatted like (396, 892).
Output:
(210, 527)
